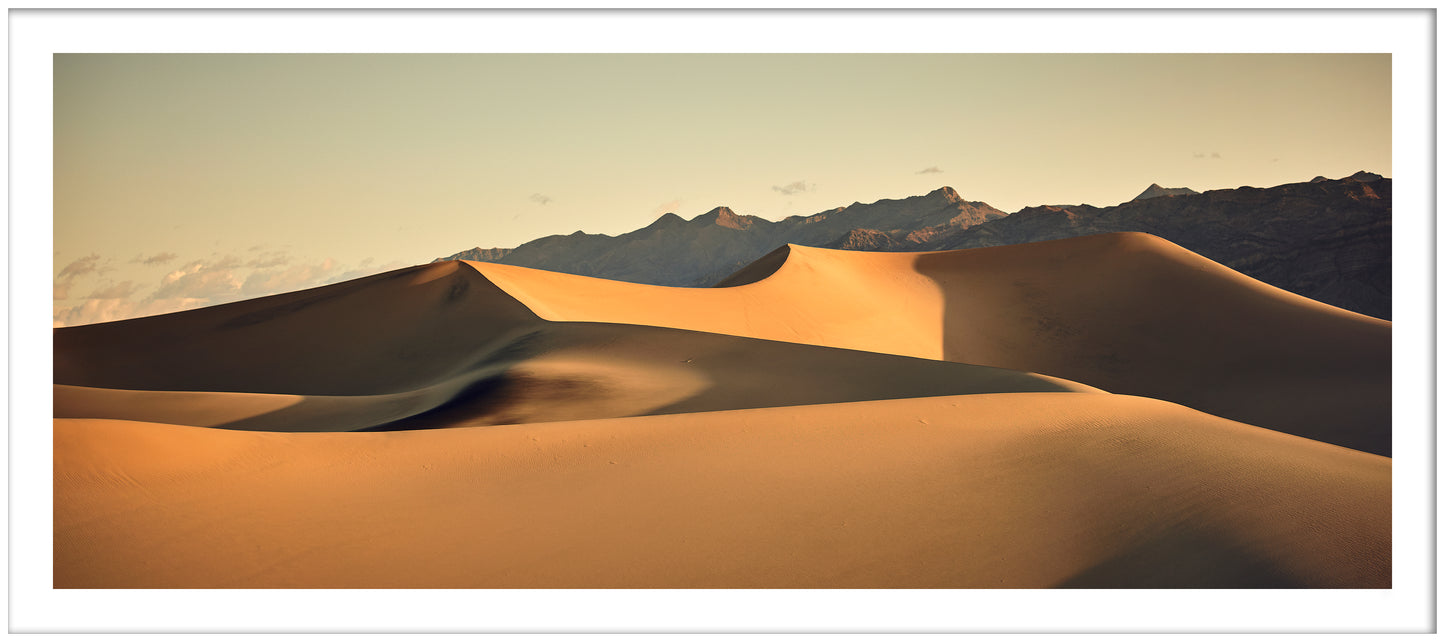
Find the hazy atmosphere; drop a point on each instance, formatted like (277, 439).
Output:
(190, 180)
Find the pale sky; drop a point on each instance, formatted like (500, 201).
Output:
(188, 180)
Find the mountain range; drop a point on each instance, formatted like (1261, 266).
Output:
(699, 252)
(1325, 239)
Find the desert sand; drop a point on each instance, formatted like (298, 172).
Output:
(1109, 411)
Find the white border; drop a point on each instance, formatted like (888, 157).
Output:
(36, 35)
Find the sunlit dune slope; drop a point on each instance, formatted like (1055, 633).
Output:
(874, 301)
(1128, 313)
(998, 490)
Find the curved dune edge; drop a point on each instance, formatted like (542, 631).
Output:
(762, 268)
(1004, 490)
(869, 301)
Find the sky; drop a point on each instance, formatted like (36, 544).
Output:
(184, 180)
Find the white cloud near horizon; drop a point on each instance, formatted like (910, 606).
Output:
(197, 283)
(296, 277)
(122, 290)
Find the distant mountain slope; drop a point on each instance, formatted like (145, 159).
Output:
(1327, 240)
(490, 255)
(699, 252)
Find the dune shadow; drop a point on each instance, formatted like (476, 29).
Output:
(506, 399)
(485, 397)
(1134, 314)
(1185, 558)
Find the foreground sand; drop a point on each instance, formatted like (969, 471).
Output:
(827, 418)
(999, 490)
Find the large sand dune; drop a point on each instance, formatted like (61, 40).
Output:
(1129, 313)
(992, 491)
(824, 418)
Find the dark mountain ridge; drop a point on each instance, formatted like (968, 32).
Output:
(701, 251)
(1327, 240)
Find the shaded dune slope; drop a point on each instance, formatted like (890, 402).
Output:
(986, 491)
(566, 371)
(391, 332)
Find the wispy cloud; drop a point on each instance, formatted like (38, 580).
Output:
(225, 262)
(103, 310)
(269, 259)
(122, 290)
(670, 206)
(793, 188)
(540, 199)
(199, 283)
(156, 259)
(84, 266)
(929, 170)
(295, 277)
(80, 267)
(365, 269)
(200, 280)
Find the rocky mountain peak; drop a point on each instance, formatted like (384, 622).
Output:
(1155, 191)
(723, 216)
(667, 219)
(946, 194)
(863, 239)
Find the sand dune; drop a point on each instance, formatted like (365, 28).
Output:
(1128, 313)
(999, 490)
(828, 418)
(392, 332)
